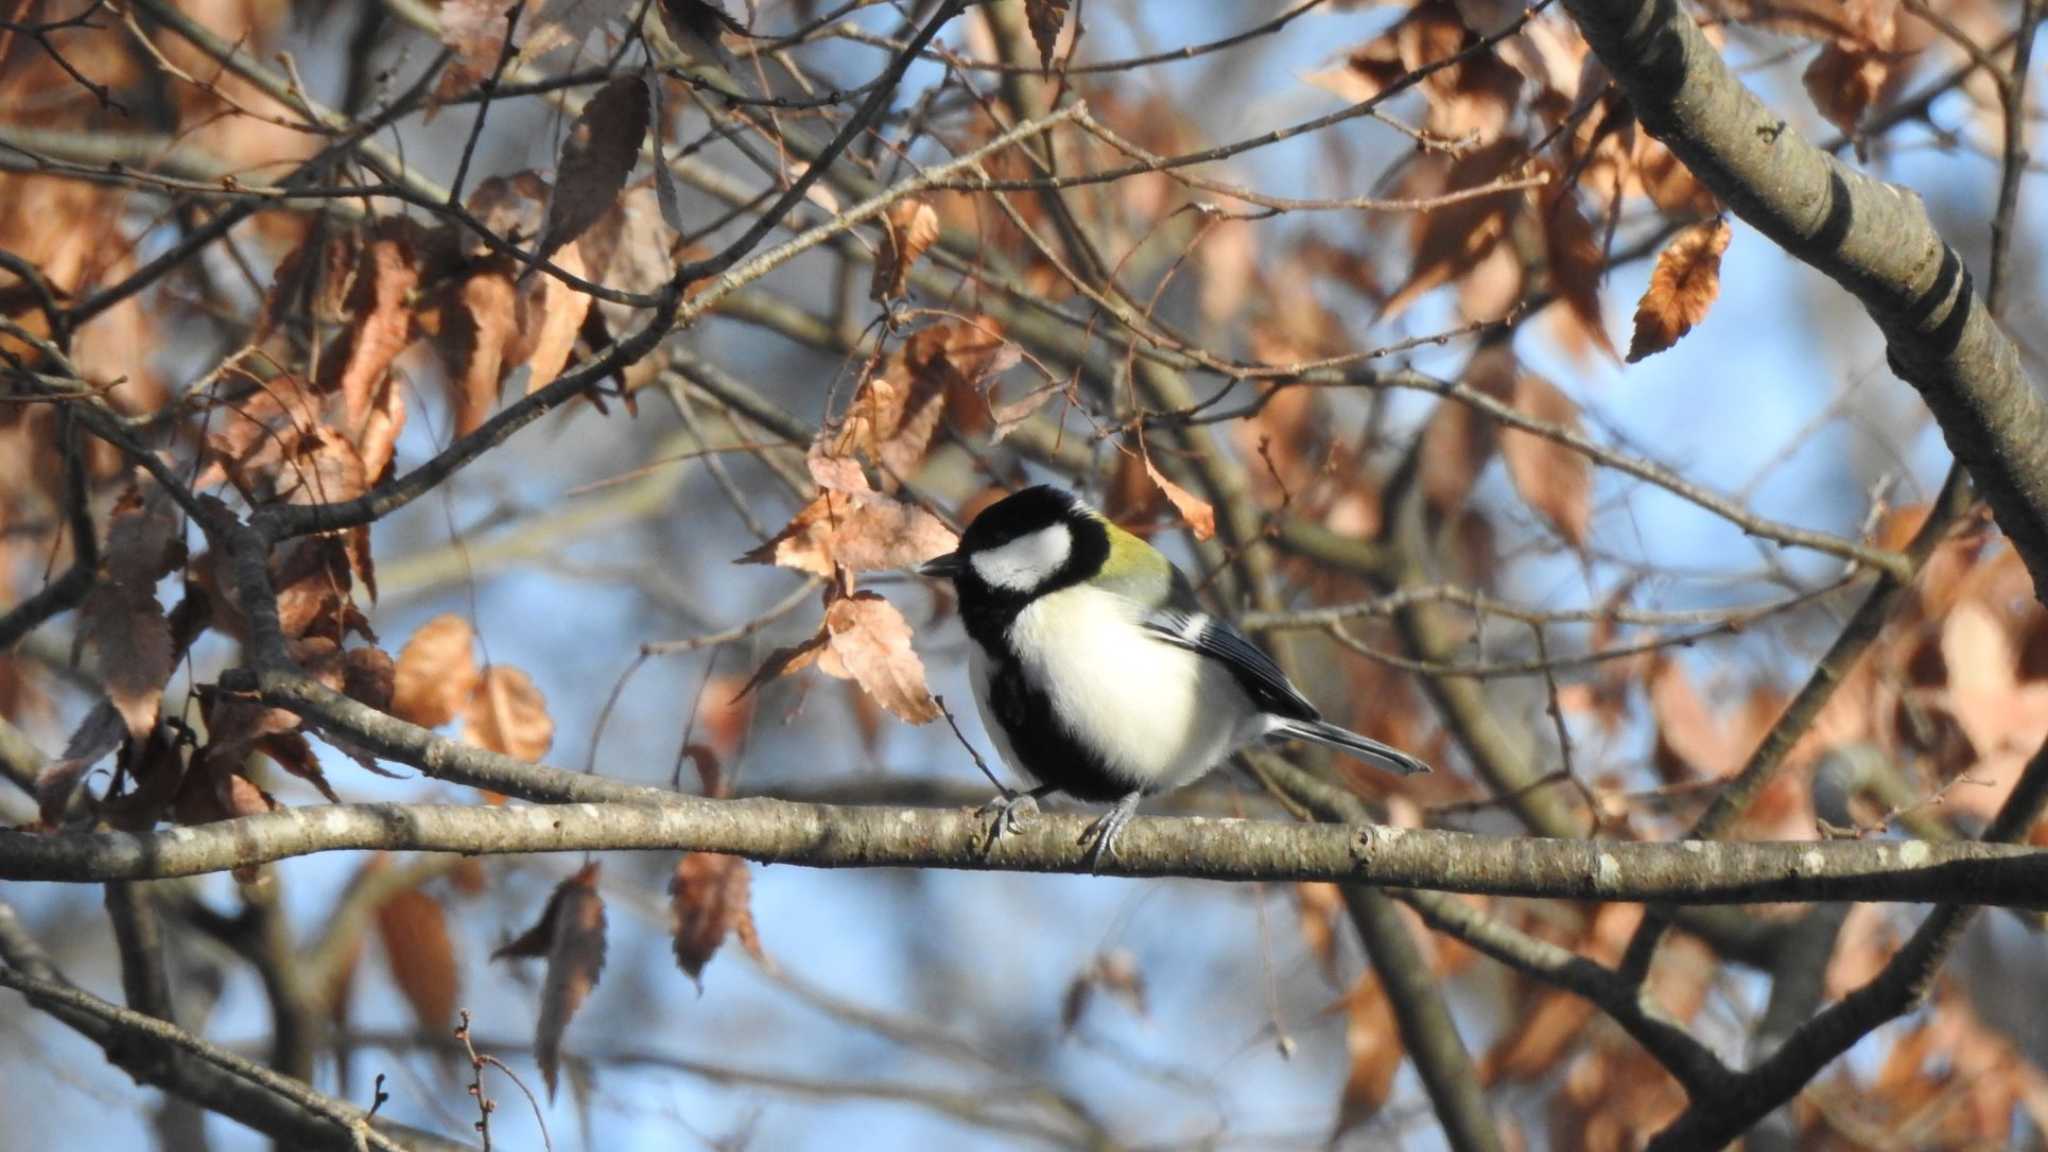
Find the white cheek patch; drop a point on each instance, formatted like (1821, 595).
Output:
(1026, 562)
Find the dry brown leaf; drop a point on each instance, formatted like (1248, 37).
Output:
(1046, 18)
(145, 541)
(369, 676)
(709, 900)
(1373, 1039)
(136, 653)
(323, 468)
(1551, 478)
(508, 714)
(511, 207)
(421, 953)
(696, 27)
(377, 442)
(1844, 81)
(571, 934)
(436, 672)
(910, 227)
(858, 532)
(560, 309)
(1451, 240)
(1320, 906)
(312, 576)
(595, 160)
(1459, 440)
(784, 662)
(1682, 288)
(99, 733)
(1692, 743)
(293, 753)
(868, 640)
(249, 438)
(1199, 514)
(381, 321)
(479, 327)
(1576, 265)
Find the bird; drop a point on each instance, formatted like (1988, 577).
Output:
(1099, 675)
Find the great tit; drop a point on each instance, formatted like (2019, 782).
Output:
(1098, 673)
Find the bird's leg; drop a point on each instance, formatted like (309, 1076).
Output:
(1101, 835)
(1008, 812)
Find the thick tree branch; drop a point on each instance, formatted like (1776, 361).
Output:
(829, 836)
(1872, 238)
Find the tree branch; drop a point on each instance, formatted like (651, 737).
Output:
(831, 836)
(1872, 238)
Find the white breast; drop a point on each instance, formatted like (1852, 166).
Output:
(1160, 714)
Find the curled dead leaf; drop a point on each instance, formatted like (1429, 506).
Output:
(595, 160)
(910, 227)
(867, 640)
(709, 898)
(420, 951)
(1683, 286)
(508, 714)
(1199, 513)
(859, 532)
(571, 934)
(1550, 477)
(1046, 18)
(436, 672)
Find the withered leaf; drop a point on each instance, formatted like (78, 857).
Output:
(1576, 265)
(1459, 441)
(1046, 18)
(292, 752)
(1450, 240)
(1199, 513)
(99, 733)
(312, 577)
(1682, 288)
(369, 676)
(554, 315)
(1844, 81)
(570, 933)
(436, 672)
(695, 26)
(480, 327)
(595, 160)
(1551, 478)
(322, 468)
(868, 641)
(1374, 1041)
(421, 953)
(860, 532)
(511, 207)
(783, 662)
(381, 320)
(910, 227)
(144, 542)
(508, 714)
(709, 899)
(377, 441)
(136, 652)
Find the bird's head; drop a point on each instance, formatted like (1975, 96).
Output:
(1027, 544)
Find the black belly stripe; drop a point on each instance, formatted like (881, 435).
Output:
(1049, 753)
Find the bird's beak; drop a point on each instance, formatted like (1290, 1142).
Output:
(943, 567)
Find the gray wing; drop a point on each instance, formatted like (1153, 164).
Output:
(1215, 639)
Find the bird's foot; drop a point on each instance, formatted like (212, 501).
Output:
(1007, 815)
(1101, 835)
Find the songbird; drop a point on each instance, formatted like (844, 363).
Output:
(1097, 672)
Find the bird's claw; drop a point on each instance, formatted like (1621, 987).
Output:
(1102, 833)
(1007, 815)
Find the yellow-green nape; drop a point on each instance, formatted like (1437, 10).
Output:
(1129, 553)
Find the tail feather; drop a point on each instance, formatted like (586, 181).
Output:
(1363, 747)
